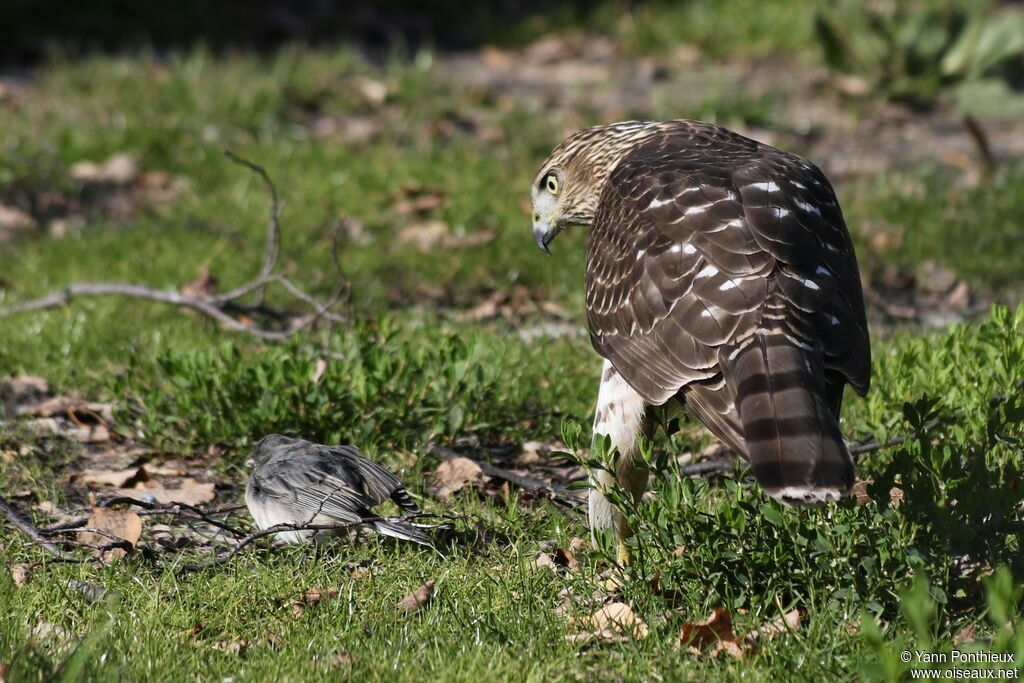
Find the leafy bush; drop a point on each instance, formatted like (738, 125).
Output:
(918, 51)
(383, 386)
(945, 504)
(926, 52)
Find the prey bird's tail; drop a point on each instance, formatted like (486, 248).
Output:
(792, 436)
(404, 501)
(403, 530)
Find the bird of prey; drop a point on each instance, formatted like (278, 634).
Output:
(720, 278)
(298, 482)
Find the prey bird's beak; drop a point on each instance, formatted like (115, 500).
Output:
(250, 462)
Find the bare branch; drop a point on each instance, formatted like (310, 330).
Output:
(30, 530)
(218, 560)
(168, 296)
(555, 492)
(272, 248)
(215, 306)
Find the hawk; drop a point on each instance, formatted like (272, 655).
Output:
(720, 278)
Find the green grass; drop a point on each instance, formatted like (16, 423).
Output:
(871, 580)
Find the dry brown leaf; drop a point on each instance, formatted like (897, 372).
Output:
(470, 239)
(965, 635)
(90, 591)
(230, 647)
(15, 223)
(125, 478)
(544, 561)
(334, 660)
(319, 370)
(421, 204)
(311, 598)
(452, 475)
(715, 633)
(23, 390)
(416, 600)
(139, 482)
(120, 169)
(373, 91)
(123, 524)
(424, 236)
(203, 286)
(565, 557)
(72, 407)
(188, 491)
(20, 573)
(860, 491)
(609, 624)
(46, 630)
(787, 623)
(533, 452)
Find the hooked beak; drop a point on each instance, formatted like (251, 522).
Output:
(250, 462)
(543, 233)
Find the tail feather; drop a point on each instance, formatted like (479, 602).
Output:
(403, 500)
(793, 440)
(402, 530)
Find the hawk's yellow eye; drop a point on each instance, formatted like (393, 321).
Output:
(552, 184)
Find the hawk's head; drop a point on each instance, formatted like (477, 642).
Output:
(567, 189)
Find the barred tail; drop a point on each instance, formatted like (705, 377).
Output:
(403, 500)
(793, 441)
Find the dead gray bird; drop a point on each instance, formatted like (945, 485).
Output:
(295, 481)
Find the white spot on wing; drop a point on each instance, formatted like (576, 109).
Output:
(708, 271)
(809, 208)
(689, 249)
(658, 203)
(676, 248)
(640, 254)
(811, 284)
(726, 286)
(770, 186)
(803, 495)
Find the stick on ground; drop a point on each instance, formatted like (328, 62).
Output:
(217, 306)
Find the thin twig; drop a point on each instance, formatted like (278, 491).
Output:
(30, 530)
(272, 248)
(218, 560)
(215, 306)
(200, 304)
(556, 492)
(177, 509)
(707, 467)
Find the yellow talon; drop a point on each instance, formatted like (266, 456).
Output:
(625, 555)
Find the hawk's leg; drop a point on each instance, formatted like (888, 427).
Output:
(621, 416)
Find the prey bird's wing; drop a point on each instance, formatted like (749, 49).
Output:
(334, 481)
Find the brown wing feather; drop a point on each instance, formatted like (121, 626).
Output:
(703, 238)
